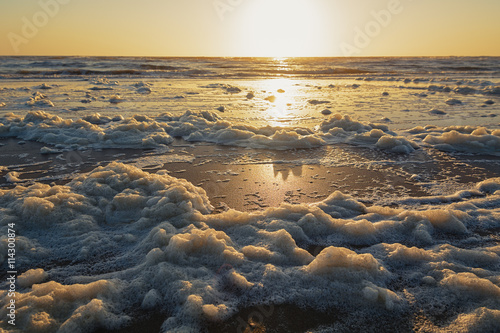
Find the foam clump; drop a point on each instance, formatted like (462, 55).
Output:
(446, 219)
(385, 296)
(396, 144)
(122, 190)
(199, 242)
(149, 240)
(483, 88)
(464, 139)
(39, 100)
(471, 284)
(31, 277)
(346, 130)
(345, 123)
(66, 133)
(215, 312)
(103, 81)
(227, 87)
(115, 99)
(48, 150)
(13, 177)
(97, 119)
(489, 185)
(196, 128)
(344, 263)
(480, 320)
(53, 306)
(143, 88)
(93, 315)
(340, 205)
(44, 86)
(139, 131)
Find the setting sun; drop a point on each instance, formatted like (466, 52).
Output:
(282, 28)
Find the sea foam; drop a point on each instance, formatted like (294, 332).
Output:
(149, 240)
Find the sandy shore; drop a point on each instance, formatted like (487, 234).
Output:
(414, 223)
(251, 179)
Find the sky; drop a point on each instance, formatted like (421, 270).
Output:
(274, 28)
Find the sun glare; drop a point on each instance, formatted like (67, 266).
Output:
(281, 107)
(282, 28)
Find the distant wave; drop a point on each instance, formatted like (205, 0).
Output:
(154, 70)
(466, 68)
(168, 67)
(80, 72)
(325, 71)
(163, 67)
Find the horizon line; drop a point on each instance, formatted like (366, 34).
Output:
(262, 57)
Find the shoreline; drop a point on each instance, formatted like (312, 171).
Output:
(249, 180)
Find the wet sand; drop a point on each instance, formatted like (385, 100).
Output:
(251, 179)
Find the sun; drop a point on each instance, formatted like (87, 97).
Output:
(282, 28)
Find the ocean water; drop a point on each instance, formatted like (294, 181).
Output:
(250, 68)
(250, 194)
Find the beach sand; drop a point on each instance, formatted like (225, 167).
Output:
(253, 179)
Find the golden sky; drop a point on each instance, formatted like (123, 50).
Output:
(250, 27)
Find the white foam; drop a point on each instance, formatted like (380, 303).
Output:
(140, 131)
(153, 243)
(463, 138)
(143, 88)
(31, 277)
(39, 100)
(115, 99)
(13, 177)
(471, 284)
(346, 130)
(68, 308)
(396, 144)
(479, 320)
(48, 150)
(227, 87)
(98, 119)
(44, 86)
(103, 81)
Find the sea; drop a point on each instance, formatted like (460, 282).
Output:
(26, 67)
(161, 194)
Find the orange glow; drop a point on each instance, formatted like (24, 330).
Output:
(274, 28)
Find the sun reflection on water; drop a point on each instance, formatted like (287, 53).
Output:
(282, 99)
